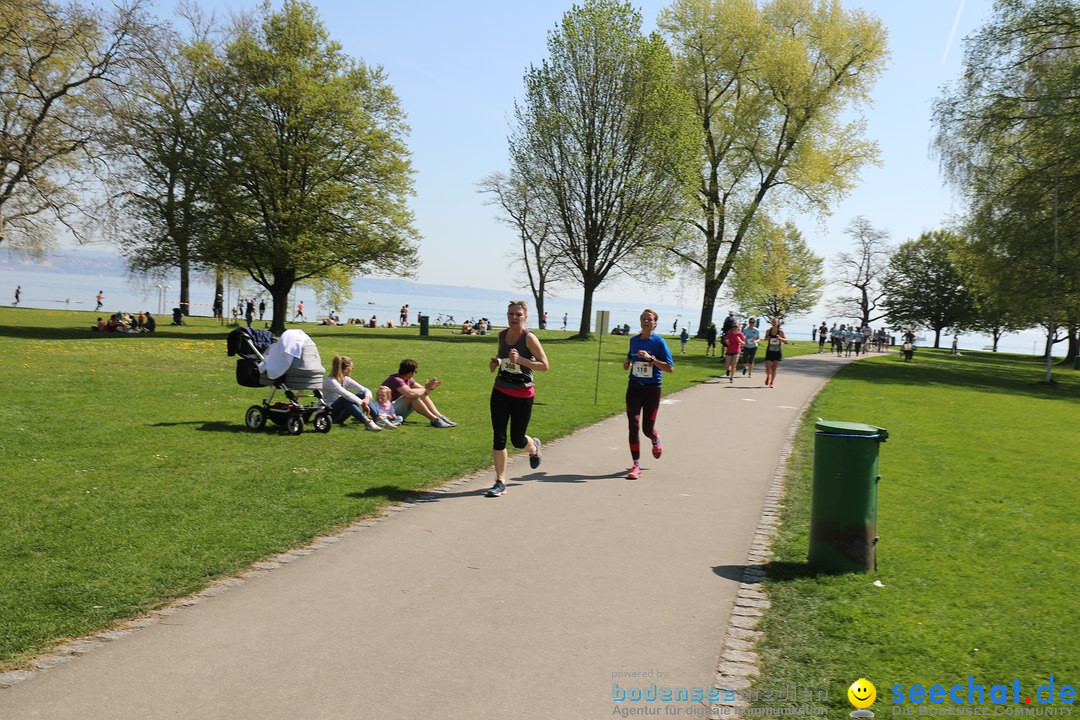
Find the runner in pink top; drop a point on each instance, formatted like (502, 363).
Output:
(733, 344)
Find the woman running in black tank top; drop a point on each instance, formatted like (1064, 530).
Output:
(774, 339)
(519, 356)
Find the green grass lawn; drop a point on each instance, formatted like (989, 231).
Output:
(979, 544)
(129, 478)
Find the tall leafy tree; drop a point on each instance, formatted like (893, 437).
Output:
(160, 144)
(310, 169)
(863, 273)
(57, 65)
(926, 288)
(520, 208)
(778, 87)
(777, 274)
(1007, 133)
(607, 137)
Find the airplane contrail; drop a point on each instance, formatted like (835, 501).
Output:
(956, 22)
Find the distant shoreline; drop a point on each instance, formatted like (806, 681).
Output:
(71, 279)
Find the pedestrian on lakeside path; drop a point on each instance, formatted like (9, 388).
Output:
(18, 293)
(647, 360)
(564, 318)
(249, 311)
(749, 353)
(100, 300)
(733, 346)
(955, 340)
(519, 355)
(822, 332)
(838, 335)
(728, 322)
(684, 337)
(774, 339)
(710, 340)
(300, 312)
(219, 307)
(813, 333)
(262, 308)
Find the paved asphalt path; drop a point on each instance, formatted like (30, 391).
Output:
(531, 605)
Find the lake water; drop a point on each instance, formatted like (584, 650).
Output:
(54, 290)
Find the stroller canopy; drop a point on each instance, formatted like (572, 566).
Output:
(241, 340)
(295, 360)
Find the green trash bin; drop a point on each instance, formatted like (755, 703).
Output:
(424, 320)
(843, 513)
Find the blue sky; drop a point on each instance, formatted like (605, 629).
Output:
(458, 67)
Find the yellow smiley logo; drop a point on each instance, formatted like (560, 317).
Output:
(862, 693)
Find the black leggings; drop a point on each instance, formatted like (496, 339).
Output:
(517, 411)
(643, 401)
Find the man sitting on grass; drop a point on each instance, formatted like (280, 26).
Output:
(409, 395)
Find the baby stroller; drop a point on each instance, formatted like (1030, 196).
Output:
(290, 364)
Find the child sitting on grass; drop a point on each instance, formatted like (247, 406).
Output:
(383, 408)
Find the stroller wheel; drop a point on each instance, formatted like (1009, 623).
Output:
(323, 422)
(295, 424)
(255, 417)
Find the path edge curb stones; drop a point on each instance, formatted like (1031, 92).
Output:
(739, 661)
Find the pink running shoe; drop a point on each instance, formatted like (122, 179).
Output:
(635, 473)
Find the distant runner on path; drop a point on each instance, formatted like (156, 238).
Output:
(648, 359)
(100, 299)
(774, 339)
(519, 355)
(749, 352)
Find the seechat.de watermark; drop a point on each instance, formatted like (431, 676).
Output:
(973, 698)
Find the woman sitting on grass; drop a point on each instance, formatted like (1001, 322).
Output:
(346, 397)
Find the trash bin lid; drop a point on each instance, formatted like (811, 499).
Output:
(835, 427)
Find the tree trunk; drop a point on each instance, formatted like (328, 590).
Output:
(279, 292)
(219, 291)
(538, 296)
(586, 315)
(708, 307)
(996, 334)
(1072, 349)
(937, 338)
(185, 283)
